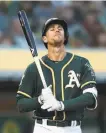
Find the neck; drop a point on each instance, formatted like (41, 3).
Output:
(56, 53)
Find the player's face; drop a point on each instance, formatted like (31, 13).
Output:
(54, 35)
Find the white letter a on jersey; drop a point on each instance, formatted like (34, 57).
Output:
(73, 80)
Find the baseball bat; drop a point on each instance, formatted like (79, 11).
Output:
(31, 43)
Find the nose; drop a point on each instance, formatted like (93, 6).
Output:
(57, 30)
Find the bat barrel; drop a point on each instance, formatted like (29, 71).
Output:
(28, 33)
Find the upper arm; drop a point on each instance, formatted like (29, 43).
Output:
(26, 86)
(87, 74)
(88, 81)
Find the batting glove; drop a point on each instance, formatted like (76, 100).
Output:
(46, 94)
(52, 104)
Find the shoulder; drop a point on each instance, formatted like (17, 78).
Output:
(31, 67)
(81, 59)
(44, 57)
(83, 62)
(77, 57)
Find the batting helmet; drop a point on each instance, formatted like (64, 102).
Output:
(55, 21)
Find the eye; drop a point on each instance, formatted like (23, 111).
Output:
(51, 29)
(60, 28)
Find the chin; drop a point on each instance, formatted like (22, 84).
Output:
(57, 41)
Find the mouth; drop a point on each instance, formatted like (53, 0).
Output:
(57, 34)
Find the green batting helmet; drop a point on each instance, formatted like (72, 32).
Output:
(55, 21)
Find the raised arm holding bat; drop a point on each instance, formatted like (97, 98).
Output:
(59, 86)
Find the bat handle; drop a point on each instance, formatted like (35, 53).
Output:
(37, 62)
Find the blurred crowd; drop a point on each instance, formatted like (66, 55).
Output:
(86, 22)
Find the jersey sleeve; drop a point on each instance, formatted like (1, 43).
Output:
(87, 75)
(26, 86)
(88, 82)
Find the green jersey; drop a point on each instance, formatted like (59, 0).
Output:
(69, 78)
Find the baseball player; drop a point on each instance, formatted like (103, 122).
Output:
(70, 80)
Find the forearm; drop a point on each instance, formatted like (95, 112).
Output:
(28, 104)
(83, 101)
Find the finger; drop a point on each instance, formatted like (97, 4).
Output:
(47, 90)
(50, 86)
(50, 109)
(45, 106)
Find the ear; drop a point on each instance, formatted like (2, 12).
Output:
(44, 38)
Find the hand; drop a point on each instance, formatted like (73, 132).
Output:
(53, 104)
(45, 94)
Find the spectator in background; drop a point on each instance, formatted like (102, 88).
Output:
(75, 28)
(79, 40)
(1, 34)
(78, 10)
(17, 33)
(102, 14)
(57, 4)
(4, 7)
(86, 20)
(43, 11)
(3, 22)
(6, 40)
(92, 26)
(13, 8)
(3, 16)
(101, 40)
(29, 7)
